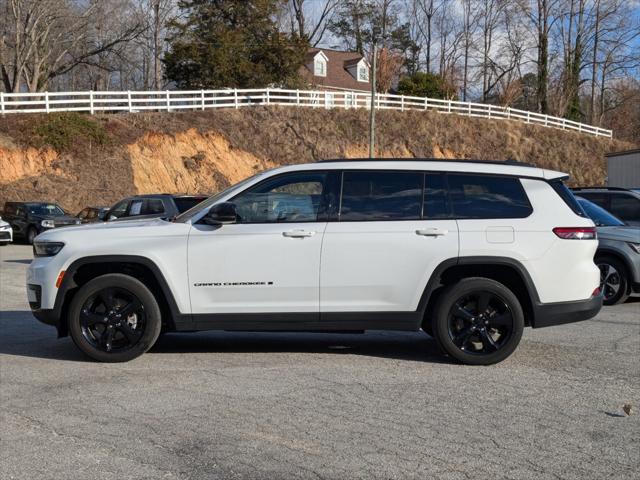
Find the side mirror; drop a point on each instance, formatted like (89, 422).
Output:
(102, 216)
(221, 214)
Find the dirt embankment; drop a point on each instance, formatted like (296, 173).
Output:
(80, 160)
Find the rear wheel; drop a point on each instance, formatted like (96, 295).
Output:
(614, 281)
(478, 321)
(114, 318)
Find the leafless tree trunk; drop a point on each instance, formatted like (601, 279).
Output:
(313, 31)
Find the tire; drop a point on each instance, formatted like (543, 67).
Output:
(32, 233)
(614, 280)
(478, 321)
(114, 318)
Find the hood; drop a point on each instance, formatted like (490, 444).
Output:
(58, 220)
(622, 233)
(112, 230)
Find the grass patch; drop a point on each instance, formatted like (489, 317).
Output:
(64, 130)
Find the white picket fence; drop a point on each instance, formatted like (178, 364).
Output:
(174, 100)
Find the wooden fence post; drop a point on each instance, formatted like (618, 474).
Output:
(46, 101)
(2, 103)
(91, 110)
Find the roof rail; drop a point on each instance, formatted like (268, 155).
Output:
(514, 163)
(601, 188)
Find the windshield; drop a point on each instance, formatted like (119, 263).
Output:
(186, 216)
(50, 209)
(599, 215)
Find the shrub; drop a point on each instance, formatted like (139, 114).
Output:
(422, 84)
(63, 130)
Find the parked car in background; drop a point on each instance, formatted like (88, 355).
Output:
(618, 254)
(621, 202)
(28, 219)
(6, 233)
(92, 214)
(153, 206)
(469, 252)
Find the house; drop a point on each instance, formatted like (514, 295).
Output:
(326, 69)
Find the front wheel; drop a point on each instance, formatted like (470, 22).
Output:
(614, 283)
(478, 321)
(114, 318)
(32, 233)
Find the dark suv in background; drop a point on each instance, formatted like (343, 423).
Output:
(621, 202)
(92, 214)
(28, 219)
(153, 206)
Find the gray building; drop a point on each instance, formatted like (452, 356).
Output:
(623, 169)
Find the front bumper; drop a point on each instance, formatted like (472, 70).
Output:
(549, 314)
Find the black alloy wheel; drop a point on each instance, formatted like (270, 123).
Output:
(114, 318)
(478, 321)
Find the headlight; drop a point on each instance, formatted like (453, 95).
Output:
(47, 223)
(47, 249)
(5, 227)
(634, 246)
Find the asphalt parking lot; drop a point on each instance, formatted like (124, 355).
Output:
(277, 406)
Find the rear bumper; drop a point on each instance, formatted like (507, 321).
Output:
(549, 314)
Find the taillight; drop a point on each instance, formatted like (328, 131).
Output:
(576, 233)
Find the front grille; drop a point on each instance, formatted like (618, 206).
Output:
(5, 236)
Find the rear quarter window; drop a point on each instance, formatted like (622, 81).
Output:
(485, 196)
(568, 197)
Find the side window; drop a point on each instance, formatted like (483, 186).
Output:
(118, 210)
(83, 214)
(21, 212)
(436, 203)
(381, 195)
(152, 206)
(625, 207)
(600, 199)
(136, 208)
(485, 196)
(289, 198)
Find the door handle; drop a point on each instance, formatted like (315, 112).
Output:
(298, 233)
(432, 232)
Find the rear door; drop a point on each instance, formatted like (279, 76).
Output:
(390, 233)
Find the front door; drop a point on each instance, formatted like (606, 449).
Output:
(269, 261)
(392, 232)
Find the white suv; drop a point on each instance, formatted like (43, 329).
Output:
(470, 252)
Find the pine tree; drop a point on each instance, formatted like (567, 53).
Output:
(231, 43)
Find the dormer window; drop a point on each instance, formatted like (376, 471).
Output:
(363, 72)
(320, 66)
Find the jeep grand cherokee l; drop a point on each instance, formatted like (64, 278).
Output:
(471, 253)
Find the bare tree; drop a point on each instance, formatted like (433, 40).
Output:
(311, 24)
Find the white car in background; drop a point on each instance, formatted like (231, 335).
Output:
(6, 233)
